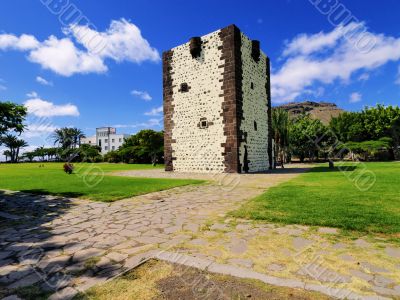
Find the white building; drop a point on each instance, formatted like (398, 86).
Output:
(107, 138)
(217, 105)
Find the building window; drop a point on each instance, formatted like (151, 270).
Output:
(105, 148)
(120, 140)
(106, 141)
(90, 142)
(184, 87)
(113, 148)
(100, 142)
(203, 123)
(255, 125)
(252, 85)
(112, 141)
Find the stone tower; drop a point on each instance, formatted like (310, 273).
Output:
(217, 105)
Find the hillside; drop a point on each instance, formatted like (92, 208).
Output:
(323, 111)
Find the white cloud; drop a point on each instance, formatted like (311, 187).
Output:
(43, 108)
(328, 57)
(122, 41)
(363, 77)
(39, 130)
(148, 124)
(355, 97)
(43, 81)
(154, 112)
(142, 95)
(260, 21)
(21, 43)
(32, 94)
(62, 57)
(3, 87)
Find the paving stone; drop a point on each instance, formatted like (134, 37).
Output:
(64, 294)
(328, 230)
(321, 273)
(238, 246)
(218, 226)
(393, 252)
(362, 243)
(198, 242)
(276, 267)
(362, 275)
(11, 297)
(382, 281)
(243, 227)
(54, 264)
(84, 255)
(5, 254)
(248, 263)
(191, 227)
(26, 281)
(346, 257)
(385, 291)
(372, 268)
(149, 240)
(116, 257)
(300, 243)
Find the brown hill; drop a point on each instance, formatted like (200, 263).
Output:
(323, 111)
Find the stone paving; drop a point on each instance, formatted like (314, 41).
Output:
(69, 245)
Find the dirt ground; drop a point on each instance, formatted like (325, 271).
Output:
(161, 280)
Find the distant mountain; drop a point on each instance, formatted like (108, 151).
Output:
(323, 111)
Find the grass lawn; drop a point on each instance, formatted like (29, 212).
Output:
(326, 197)
(89, 181)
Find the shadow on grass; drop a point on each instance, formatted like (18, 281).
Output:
(36, 253)
(300, 170)
(61, 194)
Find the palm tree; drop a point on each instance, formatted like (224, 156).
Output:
(14, 145)
(77, 135)
(68, 138)
(280, 130)
(7, 154)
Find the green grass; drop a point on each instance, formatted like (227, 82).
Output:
(324, 197)
(87, 181)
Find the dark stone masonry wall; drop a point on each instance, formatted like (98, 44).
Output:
(168, 109)
(232, 93)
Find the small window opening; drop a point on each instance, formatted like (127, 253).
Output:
(255, 125)
(184, 87)
(252, 85)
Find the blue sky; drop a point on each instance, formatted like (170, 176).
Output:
(66, 80)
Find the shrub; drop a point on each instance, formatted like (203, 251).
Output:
(68, 168)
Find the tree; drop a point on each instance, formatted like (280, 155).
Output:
(14, 145)
(371, 124)
(68, 138)
(309, 138)
(280, 128)
(89, 152)
(30, 155)
(7, 154)
(12, 117)
(147, 146)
